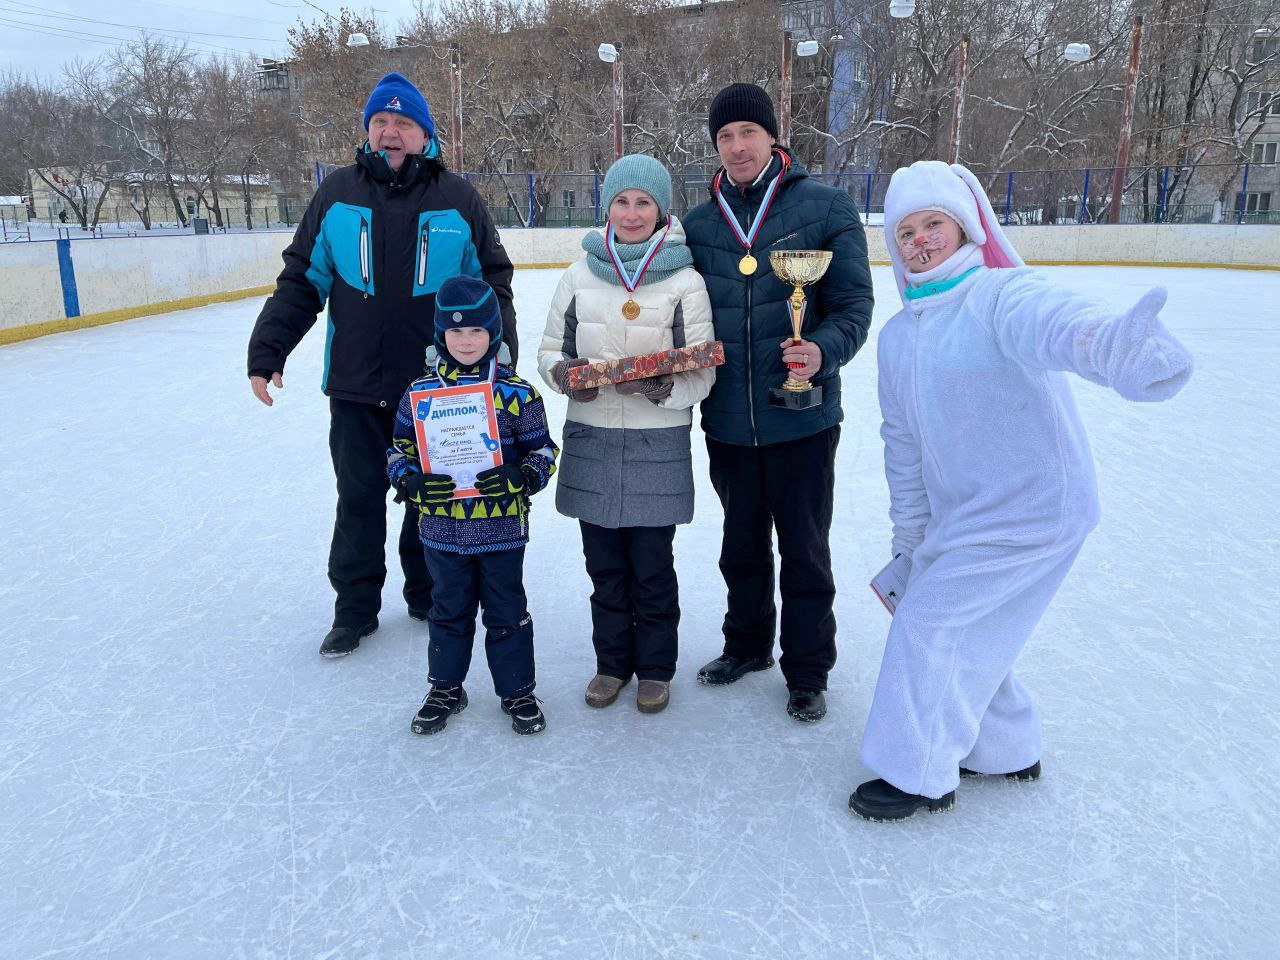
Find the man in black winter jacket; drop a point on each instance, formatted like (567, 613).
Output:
(773, 467)
(375, 243)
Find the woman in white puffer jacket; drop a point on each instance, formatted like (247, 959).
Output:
(626, 469)
(991, 481)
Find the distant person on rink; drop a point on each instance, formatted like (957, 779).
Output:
(991, 483)
(375, 244)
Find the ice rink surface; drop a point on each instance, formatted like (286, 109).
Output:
(181, 776)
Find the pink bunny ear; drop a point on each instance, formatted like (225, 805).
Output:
(997, 251)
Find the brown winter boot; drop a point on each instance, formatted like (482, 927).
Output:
(602, 690)
(652, 696)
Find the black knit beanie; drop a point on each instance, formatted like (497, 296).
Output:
(742, 101)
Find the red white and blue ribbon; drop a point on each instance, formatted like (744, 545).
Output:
(652, 251)
(749, 237)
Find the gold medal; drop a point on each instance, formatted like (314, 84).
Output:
(630, 310)
(747, 265)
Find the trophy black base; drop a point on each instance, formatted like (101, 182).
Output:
(795, 399)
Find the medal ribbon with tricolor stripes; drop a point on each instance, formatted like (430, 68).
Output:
(649, 254)
(748, 238)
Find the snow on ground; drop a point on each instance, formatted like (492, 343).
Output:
(181, 776)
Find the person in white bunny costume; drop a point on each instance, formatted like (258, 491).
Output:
(991, 482)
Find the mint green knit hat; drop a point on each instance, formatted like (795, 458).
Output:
(636, 171)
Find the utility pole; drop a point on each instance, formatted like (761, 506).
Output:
(784, 96)
(617, 105)
(1126, 122)
(957, 102)
(455, 95)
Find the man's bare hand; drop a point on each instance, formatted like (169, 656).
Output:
(259, 387)
(802, 357)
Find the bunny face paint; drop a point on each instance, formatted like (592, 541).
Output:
(926, 238)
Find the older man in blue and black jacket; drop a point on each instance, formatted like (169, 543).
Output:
(375, 244)
(773, 464)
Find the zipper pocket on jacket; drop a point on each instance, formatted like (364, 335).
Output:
(424, 236)
(364, 255)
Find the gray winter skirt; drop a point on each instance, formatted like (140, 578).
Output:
(625, 478)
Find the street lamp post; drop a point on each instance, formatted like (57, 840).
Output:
(1126, 121)
(805, 48)
(455, 112)
(957, 105)
(784, 98)
(612, 54)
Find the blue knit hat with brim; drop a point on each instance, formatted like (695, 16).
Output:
(467, 302)
(396, 94)
(638, 172)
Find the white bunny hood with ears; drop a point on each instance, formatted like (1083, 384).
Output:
(953, 190)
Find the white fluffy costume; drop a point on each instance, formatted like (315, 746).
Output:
(991, 481)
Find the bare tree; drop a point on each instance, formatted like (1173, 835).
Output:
(336, 80)
(60, 139)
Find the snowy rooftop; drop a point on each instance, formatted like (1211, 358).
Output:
(182, 776)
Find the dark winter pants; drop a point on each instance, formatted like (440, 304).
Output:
(635, 601)
(787, 488)
(494, 583)
(359, 435)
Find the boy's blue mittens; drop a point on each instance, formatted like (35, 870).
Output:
(1142, 360)
(426, 488)
(506, 480)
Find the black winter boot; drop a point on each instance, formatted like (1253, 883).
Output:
(340, 641)
(1026, 775)
(807, 706)
(526, 716)
(727, 669)
(880, 800)
(439, 705)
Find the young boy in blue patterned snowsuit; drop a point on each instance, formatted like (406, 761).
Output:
(475, 546)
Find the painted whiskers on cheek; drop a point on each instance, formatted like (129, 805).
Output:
(921, 248)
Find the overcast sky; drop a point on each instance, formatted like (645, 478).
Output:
(39, 36)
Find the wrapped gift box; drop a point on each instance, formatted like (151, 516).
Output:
(649, 365)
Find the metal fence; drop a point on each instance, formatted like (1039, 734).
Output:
(1205, 193)
(1154, 194)
(123, 220)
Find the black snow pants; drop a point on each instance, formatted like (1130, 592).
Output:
(787, 488)
(635, 600)
(359, 436)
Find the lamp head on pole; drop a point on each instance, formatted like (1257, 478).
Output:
(806, 48)
(1077, 52)
(607, 52)
(357, 40)
(902, 8)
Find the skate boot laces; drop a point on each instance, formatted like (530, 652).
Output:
(442, 697)
(524, 707)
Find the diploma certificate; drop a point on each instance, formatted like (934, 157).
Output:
(891, 582)
(457, 430)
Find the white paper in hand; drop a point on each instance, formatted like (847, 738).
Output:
(891, 582)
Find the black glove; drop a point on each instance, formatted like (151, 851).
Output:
(504, 481)
(426, 488)
(560, 374)
(653, 389)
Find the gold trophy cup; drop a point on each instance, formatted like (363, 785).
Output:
(798, 268)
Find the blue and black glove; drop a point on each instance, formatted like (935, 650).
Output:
(507, 480)
(426, 489)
